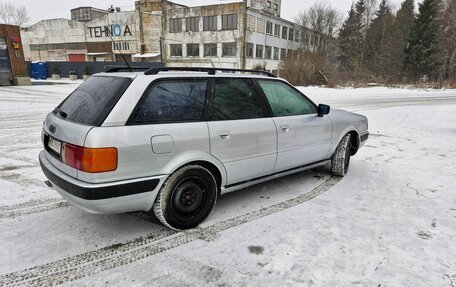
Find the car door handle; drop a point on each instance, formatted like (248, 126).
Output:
(285, 129)
(224, 135)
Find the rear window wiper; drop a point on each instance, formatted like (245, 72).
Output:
(60, 112)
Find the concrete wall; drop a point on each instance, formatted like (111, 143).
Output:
(51, 32)
(122, 25)
(94, 67)
(56, 39)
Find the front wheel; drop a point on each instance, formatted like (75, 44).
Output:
(186, 198)
(340, 160)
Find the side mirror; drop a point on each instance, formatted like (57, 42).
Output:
(323, 110)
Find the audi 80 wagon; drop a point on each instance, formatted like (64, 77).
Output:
(171, 140)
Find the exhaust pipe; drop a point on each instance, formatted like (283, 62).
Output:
(48, 183)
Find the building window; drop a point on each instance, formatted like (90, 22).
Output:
(229, 50)
(175, 25)
(276, 7)
(175, 50)
(277, 30)
(249, 50)
(192, 24)
(291, 36)
(210, 50)
(269, 4)
(259, 51)
(193, 50)
(283, 54)
(268, 53)
(210, 23)
(284, 32)
(229, 22)
(268, 28)
(297, 36)
(276, 53)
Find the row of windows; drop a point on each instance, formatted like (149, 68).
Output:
(261, 25)
(209, 50)
(229, 50)
(265, 52)
(192, 24)
(181, 100)
(287, 33)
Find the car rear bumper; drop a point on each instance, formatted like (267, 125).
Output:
(105, 198)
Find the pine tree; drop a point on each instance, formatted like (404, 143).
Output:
(403, 22)
(351, 40)
(420, 51)
(379, 42)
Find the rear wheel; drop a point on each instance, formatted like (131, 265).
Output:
(186, 198)
(340, 160)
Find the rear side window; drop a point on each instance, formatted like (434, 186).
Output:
(236, 99)
(172, 101)
(286, 101)
(92, 101)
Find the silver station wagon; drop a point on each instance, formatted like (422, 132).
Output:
(171, 140)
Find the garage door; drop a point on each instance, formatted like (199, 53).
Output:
(76, 57)
(6, 74)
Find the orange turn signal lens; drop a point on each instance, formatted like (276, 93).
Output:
(90, 159)
(99, 159)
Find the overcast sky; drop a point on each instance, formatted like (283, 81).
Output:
(48, 9)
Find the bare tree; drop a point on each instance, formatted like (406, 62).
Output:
(14, 15)
(323, 21)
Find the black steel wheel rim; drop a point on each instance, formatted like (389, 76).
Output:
(188, 197)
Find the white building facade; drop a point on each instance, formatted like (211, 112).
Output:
(243, 35)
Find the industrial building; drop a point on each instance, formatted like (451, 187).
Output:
(247, 34)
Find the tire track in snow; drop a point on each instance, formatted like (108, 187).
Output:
(120, 254)
(31, 207)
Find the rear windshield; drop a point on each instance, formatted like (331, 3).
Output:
(92, 101)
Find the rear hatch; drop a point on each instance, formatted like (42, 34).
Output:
(85, 108)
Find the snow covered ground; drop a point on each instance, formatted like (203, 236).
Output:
(390, 222)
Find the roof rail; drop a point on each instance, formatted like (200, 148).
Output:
(126, 69)
(210, 71)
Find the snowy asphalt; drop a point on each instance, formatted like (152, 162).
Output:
(390, 222)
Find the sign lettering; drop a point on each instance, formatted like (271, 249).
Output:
(107, 31)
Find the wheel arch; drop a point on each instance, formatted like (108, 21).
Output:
(354, 143)
(199, 158)
(212, 168)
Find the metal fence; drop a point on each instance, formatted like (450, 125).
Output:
(93, 67)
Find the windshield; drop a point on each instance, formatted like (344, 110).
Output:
(92, 101)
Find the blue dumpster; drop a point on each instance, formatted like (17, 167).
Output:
(39, 70)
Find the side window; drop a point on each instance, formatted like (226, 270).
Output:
(286, 101)
(172, 101)
(236, 99)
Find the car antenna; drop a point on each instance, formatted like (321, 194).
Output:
(109, 33)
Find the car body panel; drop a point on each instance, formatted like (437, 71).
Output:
(302, 139)
(136, 157)
(246, 148)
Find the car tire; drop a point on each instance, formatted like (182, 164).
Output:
(186, 198)
(340, 160)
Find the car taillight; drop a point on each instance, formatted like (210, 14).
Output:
(91, 160)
